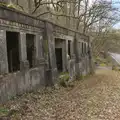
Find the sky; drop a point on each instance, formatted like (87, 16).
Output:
(116, 3)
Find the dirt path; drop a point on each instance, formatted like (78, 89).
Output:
(95, 98)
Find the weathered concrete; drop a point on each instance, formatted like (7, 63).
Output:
(45, 70)
(24, 65)
(19, 83)
(51, 49)
(71, 69)
(3, 53)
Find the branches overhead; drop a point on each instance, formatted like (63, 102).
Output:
(60, 3)
(94, 18)
(83, 13)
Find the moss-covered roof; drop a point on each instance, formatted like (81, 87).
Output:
(12, 6)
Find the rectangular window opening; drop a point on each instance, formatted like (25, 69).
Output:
(12, 41)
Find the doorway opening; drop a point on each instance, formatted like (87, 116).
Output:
(85, 48)
(82, 48)
(58, 52)
(30, 44)
(12, 40)
(69, 48)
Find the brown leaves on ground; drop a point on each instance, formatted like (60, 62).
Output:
(95, 98)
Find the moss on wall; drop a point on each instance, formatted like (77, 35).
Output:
(12, 6)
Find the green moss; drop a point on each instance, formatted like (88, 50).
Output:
(79, 77)
(14, 6)
(116, 68)
(62, 83)
(3, 4)
(4, 111)
(63, 79)
(102, 61)
(11, 5)
(102, 64)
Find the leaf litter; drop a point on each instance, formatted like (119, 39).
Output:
(94, 98)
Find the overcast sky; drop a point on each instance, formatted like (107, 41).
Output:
(116, 3)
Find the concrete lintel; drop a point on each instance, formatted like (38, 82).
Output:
(62, 36)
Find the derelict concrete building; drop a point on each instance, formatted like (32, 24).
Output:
(34, 51)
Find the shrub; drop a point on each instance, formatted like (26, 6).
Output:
(103, 64)
(62, 83)
(117, 68)
(63, 79)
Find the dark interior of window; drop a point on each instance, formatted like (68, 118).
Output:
(58, 52)
(69, 46)
(12, 40)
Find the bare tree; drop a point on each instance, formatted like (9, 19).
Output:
(93, 19)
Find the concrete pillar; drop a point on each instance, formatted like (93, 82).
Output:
(91, 64)
(3, 53)
(24, 64)
(49, 36)
(64, 54)
(39, 49)
(76, 50)
(66, 64)
(71, 50)
(66, 46)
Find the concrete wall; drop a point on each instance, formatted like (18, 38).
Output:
(3, 53)
(26, 79)
(21, 82)
(41, 74)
